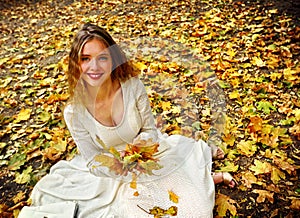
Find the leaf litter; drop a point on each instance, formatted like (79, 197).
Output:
(252, 47)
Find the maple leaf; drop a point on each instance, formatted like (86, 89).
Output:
(105, 160)
(19, 197)
(249, 179)
(247, 148)
(265, 106)
(260, 167)
(284, 164)
(263, 195)
(224, 203)
(16, 161)
(133, 184)
(229, 167)
(255, 124)
(136, 157)
(258, 62)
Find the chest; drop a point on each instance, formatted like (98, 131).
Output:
(110, 113)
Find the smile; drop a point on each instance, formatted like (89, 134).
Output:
(94, 76)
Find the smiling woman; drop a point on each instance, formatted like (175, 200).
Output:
(111, 122)
(103, 93)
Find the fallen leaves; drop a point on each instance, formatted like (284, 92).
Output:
(252, 47)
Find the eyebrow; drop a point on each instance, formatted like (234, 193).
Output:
(101, 54)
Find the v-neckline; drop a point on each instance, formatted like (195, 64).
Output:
(123, 116)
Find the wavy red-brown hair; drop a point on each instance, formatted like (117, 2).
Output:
(122, 68)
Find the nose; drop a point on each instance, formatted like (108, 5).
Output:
(94, 65)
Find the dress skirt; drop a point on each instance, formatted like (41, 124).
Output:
(71, 190)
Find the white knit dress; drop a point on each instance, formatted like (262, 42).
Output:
(78, 189)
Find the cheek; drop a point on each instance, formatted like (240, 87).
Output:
(107, 66)
(83, 67)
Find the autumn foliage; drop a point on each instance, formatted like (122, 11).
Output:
(251, 46)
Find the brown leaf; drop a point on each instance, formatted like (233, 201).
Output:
(263, 195)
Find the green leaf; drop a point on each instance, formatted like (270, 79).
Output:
(16, 161)
(265, 106)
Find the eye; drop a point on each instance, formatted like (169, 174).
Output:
(84, 59)
(103, 58)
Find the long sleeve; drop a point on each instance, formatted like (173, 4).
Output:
(148, 129)
(84, 141)
(80, 134)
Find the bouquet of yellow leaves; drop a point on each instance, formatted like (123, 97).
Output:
(137, 158)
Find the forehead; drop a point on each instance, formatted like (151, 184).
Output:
(94, 46)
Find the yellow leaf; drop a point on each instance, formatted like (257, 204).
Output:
(230, 167)
(175, 110)
(249, 179)
(23, 177)
(291, 75)
(133, 181)
(19, 197)
(59, 144)
(284, 164)
(235, 94)
(23, 115)
(141, 66)
(165, 105)
(173, 197)
(262, 195)
(3, 60)
(255, 124)
(258, 62)
(276, 175)
(260, 167)
(224, 204)
(247, 148)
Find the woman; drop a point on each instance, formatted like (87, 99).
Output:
(109, 107)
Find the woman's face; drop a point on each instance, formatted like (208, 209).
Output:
(95, 62)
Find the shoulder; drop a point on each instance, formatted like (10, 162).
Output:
(71, 109)
(134, 83)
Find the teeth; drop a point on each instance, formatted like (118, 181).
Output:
(94, 76)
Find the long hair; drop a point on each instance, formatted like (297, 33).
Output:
(122, 69)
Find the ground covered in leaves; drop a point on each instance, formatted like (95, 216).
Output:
(252, 46)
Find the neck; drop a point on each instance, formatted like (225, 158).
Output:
(104, 92)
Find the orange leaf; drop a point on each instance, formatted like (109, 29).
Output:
(295, 204)
(173, 197)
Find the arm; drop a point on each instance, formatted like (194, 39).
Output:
(148, 129)
(83, 140)
(86, 146)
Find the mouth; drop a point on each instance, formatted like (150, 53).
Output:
(94, 76)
